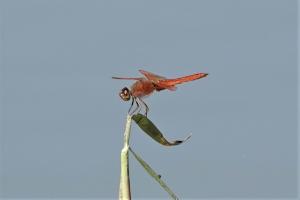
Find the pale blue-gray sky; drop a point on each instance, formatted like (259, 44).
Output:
(62, 120)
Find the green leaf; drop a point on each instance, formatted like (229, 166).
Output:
(148, 127)
(152, 173)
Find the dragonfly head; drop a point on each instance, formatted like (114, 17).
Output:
(125, 94)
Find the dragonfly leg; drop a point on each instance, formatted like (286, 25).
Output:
(146, 107)
(137, 106)
(132, 102)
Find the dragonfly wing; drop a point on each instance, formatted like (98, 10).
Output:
(160, 87)
(124, 78)
(152, 77)
(175, 81)
(157, 80)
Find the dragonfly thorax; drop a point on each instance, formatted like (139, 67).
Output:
(125, 94)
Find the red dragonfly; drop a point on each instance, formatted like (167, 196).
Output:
(144, 86)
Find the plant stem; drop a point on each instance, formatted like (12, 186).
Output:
(124, 190)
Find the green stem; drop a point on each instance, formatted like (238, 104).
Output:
(124, 190)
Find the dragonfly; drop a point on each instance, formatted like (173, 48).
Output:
(145, 86)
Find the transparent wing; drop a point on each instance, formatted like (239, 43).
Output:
(125, 78)
(164, 83)
(156, 79)
(175, 81)
(152, 77)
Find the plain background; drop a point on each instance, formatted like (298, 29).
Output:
(62, 121)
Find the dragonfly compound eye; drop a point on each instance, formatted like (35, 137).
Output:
(125, 94)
